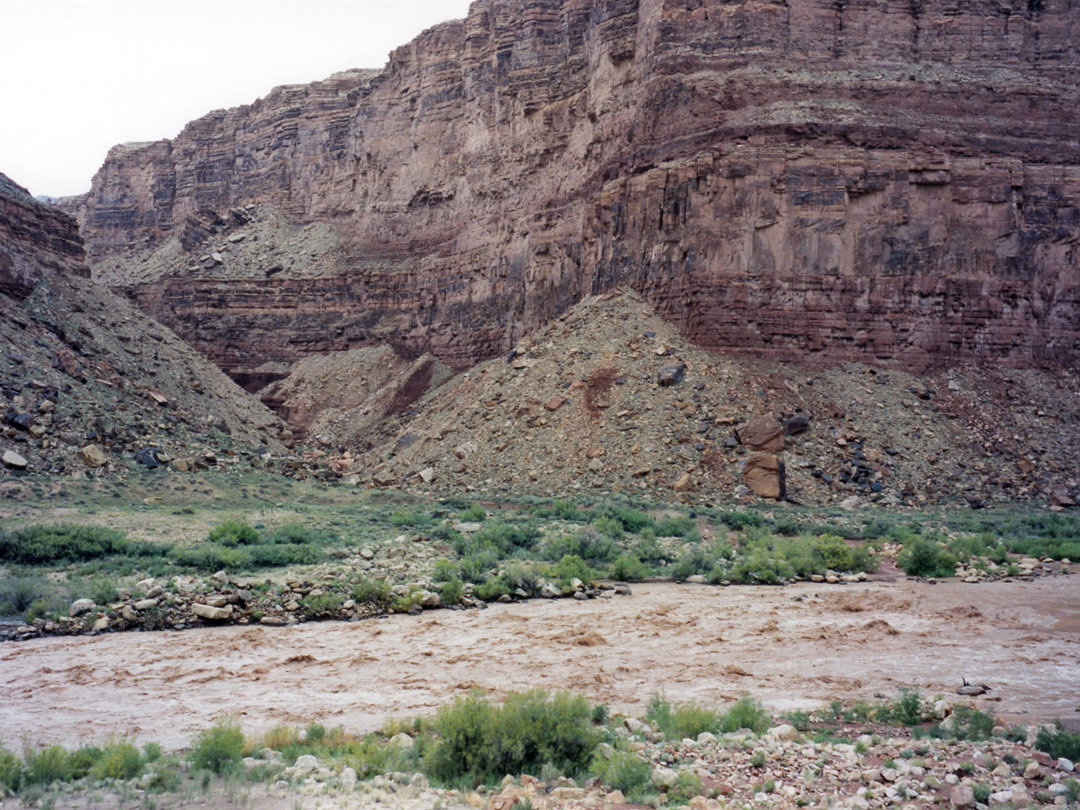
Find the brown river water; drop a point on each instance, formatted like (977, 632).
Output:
(792, 647)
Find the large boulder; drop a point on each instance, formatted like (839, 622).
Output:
(765, 477)
(762, 433)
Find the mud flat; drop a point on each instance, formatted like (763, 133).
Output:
(791, 647)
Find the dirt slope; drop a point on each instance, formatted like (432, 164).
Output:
(578, 408)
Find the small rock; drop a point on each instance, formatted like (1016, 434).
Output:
(348, 779)
(13, 460)
(796, 424)
(81, 607)
(93, 456)
(214, 614)
(683, 483)
(671, 375)
(783, 732)
(1065, 765)
(305, 763)
(555, 403)
(427, 475)
(149, 458)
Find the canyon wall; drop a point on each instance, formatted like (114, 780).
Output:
(894, 182)
(33, 238)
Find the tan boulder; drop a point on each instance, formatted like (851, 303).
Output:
(765, 476)
(93, 456)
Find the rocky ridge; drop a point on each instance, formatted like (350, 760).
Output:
(610, 397)
(90, 385)
(799, 181)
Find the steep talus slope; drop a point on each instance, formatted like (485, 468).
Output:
(579, 407)
(87, 381)
(891, 183)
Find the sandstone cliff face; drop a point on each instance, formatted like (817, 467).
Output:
(34, 237)
(897, 183)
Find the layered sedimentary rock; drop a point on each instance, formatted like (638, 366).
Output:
(34, 237)
(91, 385)
(891, 182)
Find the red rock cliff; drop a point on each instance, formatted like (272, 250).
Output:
(896, 182)
(34, 237)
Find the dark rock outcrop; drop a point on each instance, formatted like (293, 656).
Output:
(895, 183)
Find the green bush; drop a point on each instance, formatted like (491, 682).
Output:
(906, 711)
(477, 567)
(649, 550)
(119, 760)
(210, 557)
(451, 591)
(684, 720)
(411, 517)
(678, 526)
(570, 568)
(218, 748)
(233, 533)
(699, 560)
(11, 770)
(83, 760)
(297, 534)
(377, 592)
(480, 741)
(624, 771)
(739, 519)
(322, 605)
(746, 713)
(60, 543)
(609, 527)
(560, 510)
(17, 593)
(629, 568)
(102, 591)
(1059, 743)
(277, 556)
(475, 513)
(501, 538)
(50, 764)
(632, 520)
(923, 557)
(594, 548)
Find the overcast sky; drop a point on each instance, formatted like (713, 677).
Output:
(78, 76)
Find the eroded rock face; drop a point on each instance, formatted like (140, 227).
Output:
(34, 237)
(799, 180)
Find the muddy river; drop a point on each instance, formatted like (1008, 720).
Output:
(792, 647)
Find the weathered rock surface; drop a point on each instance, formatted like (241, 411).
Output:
(798, 180)
(34, 237)
(87, 381)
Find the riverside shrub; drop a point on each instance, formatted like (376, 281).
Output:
(218, 747)
(481, 741)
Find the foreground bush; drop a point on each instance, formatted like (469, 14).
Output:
(480, 741)
(1059, 743)
(217, 748)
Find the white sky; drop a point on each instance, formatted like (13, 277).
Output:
(79, 76)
